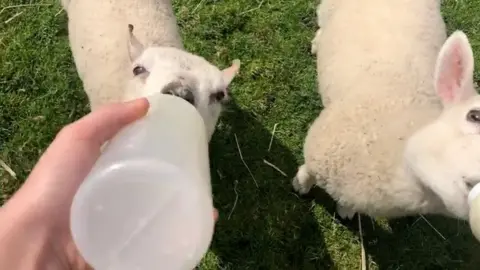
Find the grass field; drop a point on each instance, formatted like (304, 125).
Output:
(264, 227)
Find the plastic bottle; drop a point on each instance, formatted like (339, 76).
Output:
(474, 214)
(147, 202)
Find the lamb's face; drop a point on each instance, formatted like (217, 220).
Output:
(175, 72)
(445, 155)
(446, 158)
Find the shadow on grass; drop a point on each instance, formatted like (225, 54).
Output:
(414, 242)
(264, 227)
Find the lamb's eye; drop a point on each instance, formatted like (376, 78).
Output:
(474, 116)
(138, 70)
(217, 96)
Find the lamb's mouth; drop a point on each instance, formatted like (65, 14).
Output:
(176, 88)
(472, 184)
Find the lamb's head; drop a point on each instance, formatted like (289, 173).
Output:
(445, 155)
(176, 72)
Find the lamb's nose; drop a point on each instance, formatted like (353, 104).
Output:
(186, 94)
(179, 90)
(189, 97)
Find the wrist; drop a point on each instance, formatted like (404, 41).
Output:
(26, 242)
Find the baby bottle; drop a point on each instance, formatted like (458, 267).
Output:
(474, 214)
(147, 202)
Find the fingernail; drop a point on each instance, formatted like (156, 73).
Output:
(141, 102)
(140, 105)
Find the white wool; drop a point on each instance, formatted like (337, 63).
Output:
(384, 145)
(106, 52)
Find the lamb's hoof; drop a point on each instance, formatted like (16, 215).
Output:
(345, 212)
(303, 182)
(298, 187)
(313, 50)
(315, 40)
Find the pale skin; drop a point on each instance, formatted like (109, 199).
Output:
(34, 223)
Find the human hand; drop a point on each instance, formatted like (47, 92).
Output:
(37, 216)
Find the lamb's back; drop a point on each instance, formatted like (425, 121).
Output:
(375, 64)
(98, 32)
(376, 43)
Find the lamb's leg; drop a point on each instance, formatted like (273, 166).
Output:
(319, 31)
(303, 181)
(345, 212)
(65, 4)
(315, 41)
(323, 14)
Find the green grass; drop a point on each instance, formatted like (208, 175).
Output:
(270, 227)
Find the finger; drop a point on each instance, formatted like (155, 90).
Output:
(215, 215)
(70, 157)
(99, 126)
(77, 147)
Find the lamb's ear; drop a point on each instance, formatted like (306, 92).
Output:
(454, 69)
(230, 72)
(135, 48)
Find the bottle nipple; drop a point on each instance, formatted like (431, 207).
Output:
(474, 213)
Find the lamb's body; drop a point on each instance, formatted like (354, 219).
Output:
(98, 38)
(118, 65)
(375, 63)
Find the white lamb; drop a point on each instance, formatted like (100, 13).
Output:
(400, 132)
(116, 65)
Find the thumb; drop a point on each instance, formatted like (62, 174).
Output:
(101, 125)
